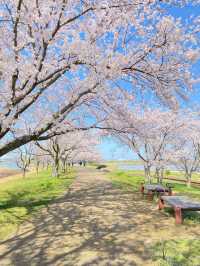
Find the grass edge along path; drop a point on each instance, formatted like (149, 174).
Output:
(21, 198)
(132, 179)
(180, 252)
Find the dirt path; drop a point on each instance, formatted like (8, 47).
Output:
(93, 224)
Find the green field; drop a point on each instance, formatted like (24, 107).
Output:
(22, 197)
(114, 165)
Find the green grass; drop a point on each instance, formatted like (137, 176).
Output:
(168, 173)
(177, 253)
(180, 175)
(126, 179)
(20, 198)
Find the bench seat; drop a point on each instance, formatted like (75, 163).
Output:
(179, 203)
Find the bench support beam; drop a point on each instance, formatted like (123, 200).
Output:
(150, 196)
(178, 215)
(161, 204)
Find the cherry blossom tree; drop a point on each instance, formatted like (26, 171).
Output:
(148, 133)
(52, 149)
(24, 158)
(70, 147)
(59, 58)
(87, 154)
(186, 155)
(41, 158)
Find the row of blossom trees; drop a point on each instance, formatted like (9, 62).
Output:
(59, 152)
(160, 138)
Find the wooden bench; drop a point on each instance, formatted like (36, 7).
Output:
(180, 204)
(152, 189)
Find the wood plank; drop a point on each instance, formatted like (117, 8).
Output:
(156, 187)
(181, 202)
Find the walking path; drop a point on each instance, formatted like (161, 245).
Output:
(93, 224)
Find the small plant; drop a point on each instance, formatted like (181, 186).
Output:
(177, 253)
(167, 172)
(162, 254)
(162, 247)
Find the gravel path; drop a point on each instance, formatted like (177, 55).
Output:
(93, 224)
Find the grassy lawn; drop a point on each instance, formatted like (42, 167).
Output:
(177, 253)
(127, 179)
(20, 198)
(168, 173)
(180, 252)
(180, 175)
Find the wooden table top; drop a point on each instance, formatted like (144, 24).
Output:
(156, 187)
(182, 202)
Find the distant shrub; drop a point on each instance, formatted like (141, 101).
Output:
(101, 166)
(167, 172)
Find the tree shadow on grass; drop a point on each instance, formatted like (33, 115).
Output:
(32, 199)
(17, 206)
(18, 199)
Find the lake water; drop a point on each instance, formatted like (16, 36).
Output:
(8, 164)
(130, 167)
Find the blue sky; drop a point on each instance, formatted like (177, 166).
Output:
(112, 150)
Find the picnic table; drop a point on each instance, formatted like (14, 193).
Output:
(180, 204)
(153, 189)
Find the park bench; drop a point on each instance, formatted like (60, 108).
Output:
(155, 189)
(180, 204)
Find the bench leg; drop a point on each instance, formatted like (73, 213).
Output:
(142, 190)
(178, 215)
(150, 195)
(170, 192)
(161, 204)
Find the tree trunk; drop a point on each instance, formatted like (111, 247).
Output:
(55, 172)
(157, 174)
(37, 167)
(24, 172)
(147, 174)
(189, 177)
(56, 162)
(161, 175)
(64, 166)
